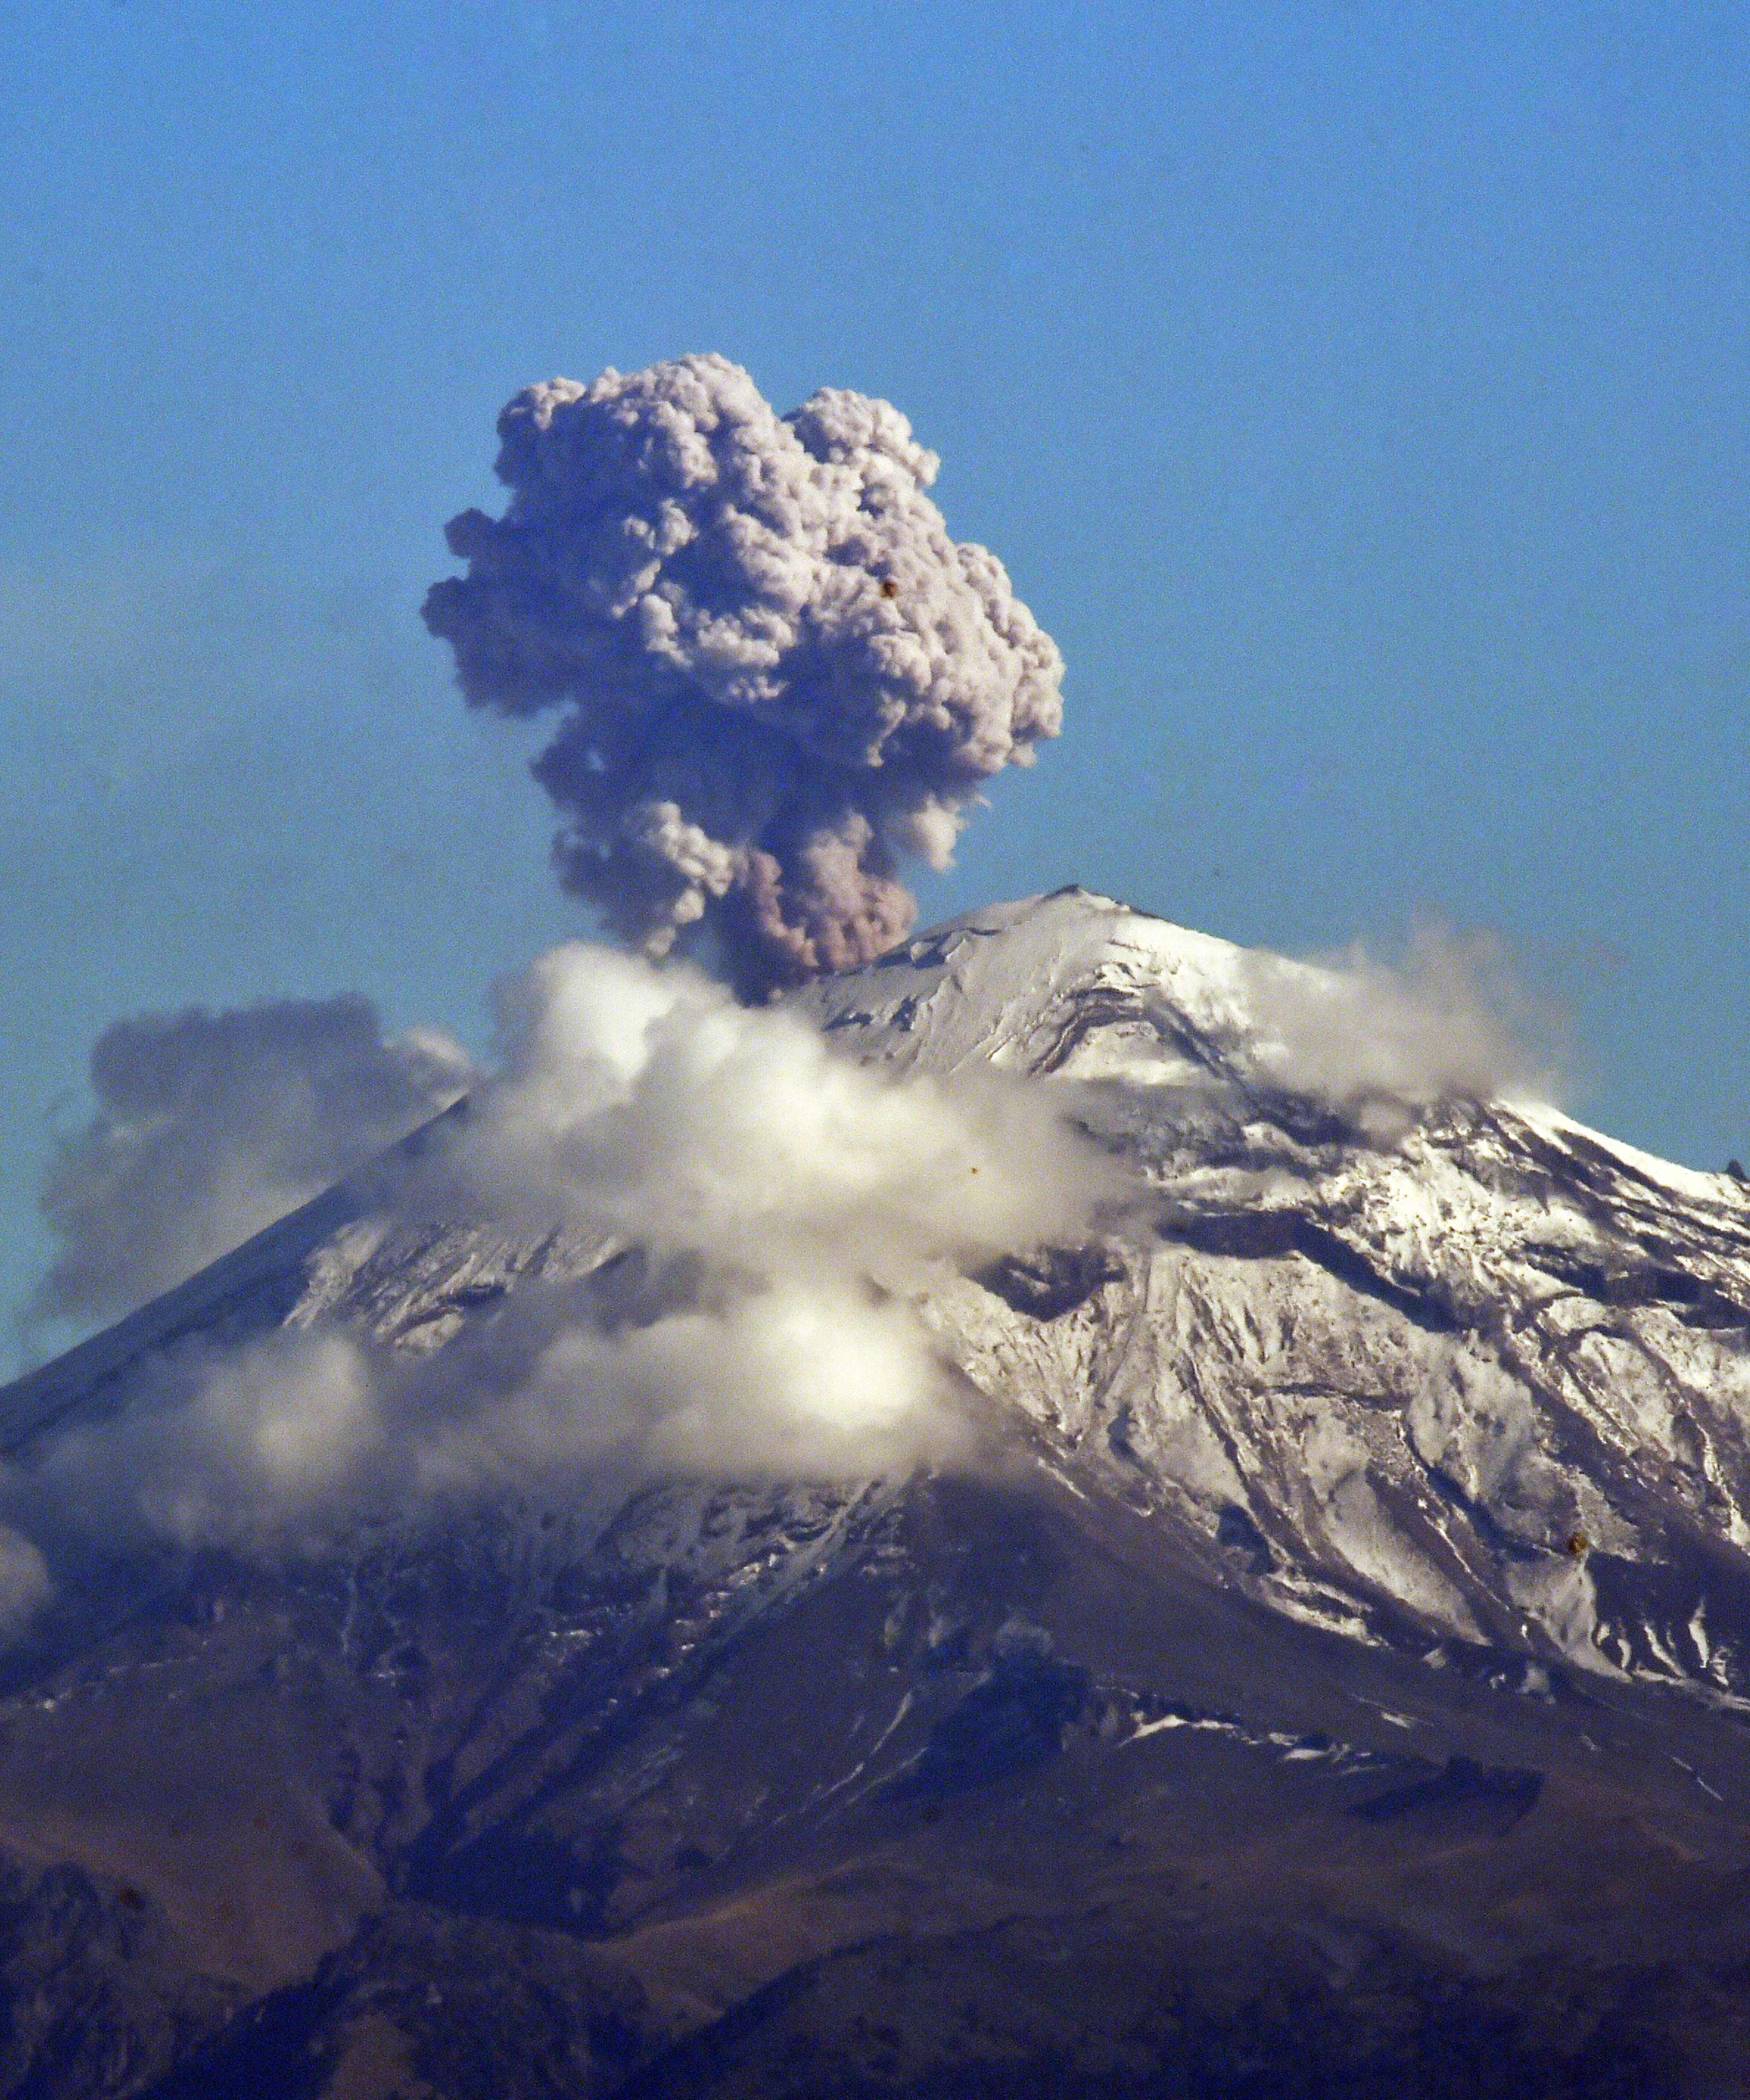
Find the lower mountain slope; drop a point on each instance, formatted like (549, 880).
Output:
(1329, 1672)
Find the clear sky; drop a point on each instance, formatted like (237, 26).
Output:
(1357, 392)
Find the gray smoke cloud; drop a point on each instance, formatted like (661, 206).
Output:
(779, 677)
(25, 1582)
(209, 1126)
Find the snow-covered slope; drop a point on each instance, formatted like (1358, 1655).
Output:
(1342, 1655)
(1459, 1375)
(1469, 1377)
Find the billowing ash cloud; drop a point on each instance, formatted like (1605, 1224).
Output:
(778, 676)
(755, 1220)
(210, 1126)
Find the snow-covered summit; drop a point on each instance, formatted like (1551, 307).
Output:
(1413, 1353)
(1386, 1342)
(1080, 985)
(1024, 985)
(1347, 1604)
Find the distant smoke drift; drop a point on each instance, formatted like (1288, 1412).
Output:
(1382, 1044)
(780, 675)
(210, 1126)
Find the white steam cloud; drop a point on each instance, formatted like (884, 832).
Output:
(1383, 1041)
(752, 1218)
(210, 1126)
(645, 1105)
(781, 677)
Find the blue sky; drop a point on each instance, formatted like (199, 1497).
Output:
(1357, 393)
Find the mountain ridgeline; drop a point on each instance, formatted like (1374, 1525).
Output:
(1330, 1671)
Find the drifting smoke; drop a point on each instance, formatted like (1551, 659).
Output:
(642, 1106)
(780, 675)
(749, 1221)
(210, 1126)
(26, 1583)
(1384, 1042)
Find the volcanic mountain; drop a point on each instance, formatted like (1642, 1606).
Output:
(1332, 1672)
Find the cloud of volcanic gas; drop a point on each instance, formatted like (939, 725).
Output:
(210, 1126)
(778, 675)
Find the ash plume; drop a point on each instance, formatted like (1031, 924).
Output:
(778, 675)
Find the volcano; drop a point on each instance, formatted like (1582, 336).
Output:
(1332, 1673)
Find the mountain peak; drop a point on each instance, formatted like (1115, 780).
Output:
(997, 987)
(1372, 1495)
